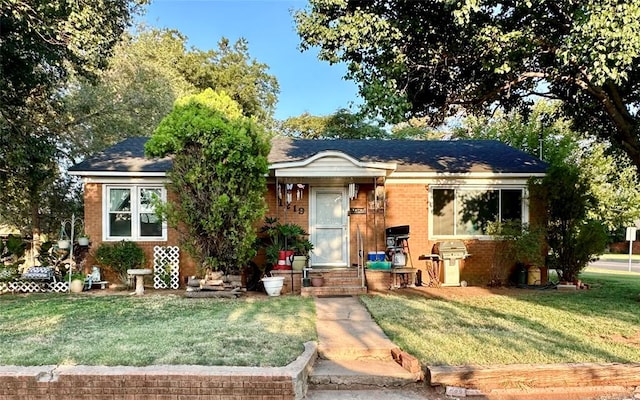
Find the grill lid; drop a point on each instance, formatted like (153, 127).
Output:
(452, 249)
(397, 230)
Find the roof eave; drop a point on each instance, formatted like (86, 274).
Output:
(453, 175)
(119, 174)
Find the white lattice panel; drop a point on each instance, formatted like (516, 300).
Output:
(59, 287)
(166, 259)
(34, 287)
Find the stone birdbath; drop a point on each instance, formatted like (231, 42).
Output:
(139, 273)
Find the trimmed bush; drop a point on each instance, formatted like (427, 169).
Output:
(119, 257)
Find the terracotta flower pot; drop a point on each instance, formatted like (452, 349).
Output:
(317, 281)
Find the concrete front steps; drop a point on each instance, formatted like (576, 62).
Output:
(360, 374)
(337, 282)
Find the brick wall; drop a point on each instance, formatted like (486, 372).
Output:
(623, 247)
(93, 227)
(291, 279)
(158, 382)
(297, 212)
(407, 204)
(378, 281)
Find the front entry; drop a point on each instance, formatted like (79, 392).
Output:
(328, 226)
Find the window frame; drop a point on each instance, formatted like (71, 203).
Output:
(135, 212)
(524, 207)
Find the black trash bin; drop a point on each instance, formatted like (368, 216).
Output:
(521, 274)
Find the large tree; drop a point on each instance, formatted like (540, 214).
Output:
(42, 43)
(218, 175)
(149, 70)
(429, 58)
(342, 124)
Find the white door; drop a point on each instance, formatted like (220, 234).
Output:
(329, 227)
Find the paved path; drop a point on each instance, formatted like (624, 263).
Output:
(346, 330)
(355, 353)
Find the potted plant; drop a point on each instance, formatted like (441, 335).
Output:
(83, 239)
(77, 282)
(282, 241)
(301, 249)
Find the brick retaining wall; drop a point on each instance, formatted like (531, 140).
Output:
(159, 382)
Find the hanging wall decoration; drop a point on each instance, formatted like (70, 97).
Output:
(300, 191)
(279, 194)
(353, 191)
(289, 193)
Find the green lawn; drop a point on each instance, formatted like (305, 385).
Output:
(43, 329)
(533, 326)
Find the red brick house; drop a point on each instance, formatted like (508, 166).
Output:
(345, 193)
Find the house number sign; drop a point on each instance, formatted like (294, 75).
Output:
(296, 209)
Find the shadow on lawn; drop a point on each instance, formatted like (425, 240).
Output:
(549, 325)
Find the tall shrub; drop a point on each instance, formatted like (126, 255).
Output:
(573, 238)
(218, 178)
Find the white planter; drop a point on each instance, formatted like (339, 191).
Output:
(63, 244)
(273, 285)
(77, 286)
(83, 241)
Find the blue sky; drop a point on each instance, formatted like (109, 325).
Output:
(306, 84)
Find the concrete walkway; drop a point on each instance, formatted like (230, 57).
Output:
(355, 356)
(346, 331)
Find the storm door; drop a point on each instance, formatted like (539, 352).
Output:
(329, 227)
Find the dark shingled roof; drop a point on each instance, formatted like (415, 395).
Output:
(126, 156)
(452, 156)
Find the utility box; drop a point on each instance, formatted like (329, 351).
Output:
(451, 255)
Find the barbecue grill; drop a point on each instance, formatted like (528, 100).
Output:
(397, 239)
(451, 254)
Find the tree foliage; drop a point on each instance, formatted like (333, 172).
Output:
(150, 69)
(608, 176)
(573, 238)
(218, 177)
(41, 45)
(431, 58)
(42, 42)
(340, 125)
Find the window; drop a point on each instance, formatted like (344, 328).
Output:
(131, 215)
(469, 211)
